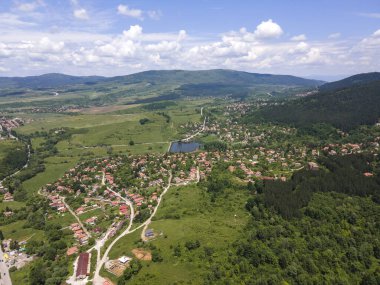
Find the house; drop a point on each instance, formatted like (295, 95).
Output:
(83, 266)
(123, 209)
(312, 166)
(91, 221)
(72, 250)
(80, 210)
(149, 233)
(8, 197)
(124, 259)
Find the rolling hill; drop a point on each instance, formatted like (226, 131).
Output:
(231, 77)
(175, 77)
(347, 107)
(46, 81)
(355, 80)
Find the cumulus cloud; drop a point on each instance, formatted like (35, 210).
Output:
(126, 11)
(81, 14)
(134, 50)
(299, 38)
(133, 32)
(268, 29)
(377, 33)
(47, 45)
(4, 50)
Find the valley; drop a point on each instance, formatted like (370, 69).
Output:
(110, 195)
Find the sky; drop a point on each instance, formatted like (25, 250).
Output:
(320, 39)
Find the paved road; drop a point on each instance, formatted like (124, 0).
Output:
(148, 221)
(5, 278)
(98, 280)
(197, 133)
(75, 216)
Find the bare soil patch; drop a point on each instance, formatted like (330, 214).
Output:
(142, 254)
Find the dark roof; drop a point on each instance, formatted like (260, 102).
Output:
(83, 264)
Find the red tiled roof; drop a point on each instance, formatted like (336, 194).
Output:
(83, 264)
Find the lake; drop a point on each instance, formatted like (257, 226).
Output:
(184, 146)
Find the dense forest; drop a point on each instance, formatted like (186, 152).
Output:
(322, 227)
(15, 158)
(345, 109)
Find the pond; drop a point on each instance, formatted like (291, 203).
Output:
(184, 146)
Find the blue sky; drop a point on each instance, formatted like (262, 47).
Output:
(305, 38)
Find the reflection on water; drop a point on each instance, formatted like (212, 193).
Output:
(184, 146)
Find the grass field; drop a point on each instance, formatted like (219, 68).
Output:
(8, 145)
(215, 225)
(54, 168)
(14, 205)
(16, 231)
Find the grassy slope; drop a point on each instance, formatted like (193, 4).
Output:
(214, 225)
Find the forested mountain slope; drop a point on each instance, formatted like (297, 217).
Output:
(345, 109)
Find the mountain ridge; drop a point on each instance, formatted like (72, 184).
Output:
(233, 77)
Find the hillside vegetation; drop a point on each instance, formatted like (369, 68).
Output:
(307, 231)
(344, 109)
(355, 80)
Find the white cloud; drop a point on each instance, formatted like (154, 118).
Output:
(334, 36)
(126, 11)
(182, 35)
(377, 33)
(155, 15)
(12, 20)
(133, 50)
(268, 29)
(371, 42)
(47, 45)
(133, 32)
(81, 14)
(4, 50)
(299, 38)
(29, 6)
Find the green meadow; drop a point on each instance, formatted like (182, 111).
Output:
(186, 215)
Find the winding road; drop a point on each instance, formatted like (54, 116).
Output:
(98, 280)
(148, 221)
(75, 216)
(5, 278)
(101, 260)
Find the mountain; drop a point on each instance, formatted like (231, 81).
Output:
(223, 76)
(45, 81)
(175, 77)
(355, 80)
(357, 104)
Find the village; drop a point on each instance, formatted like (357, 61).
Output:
(98, 193)
(6, 126)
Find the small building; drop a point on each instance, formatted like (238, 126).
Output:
(83, 266)
(72, 250)
(312, 166)
(149, 233)
(124, 259)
